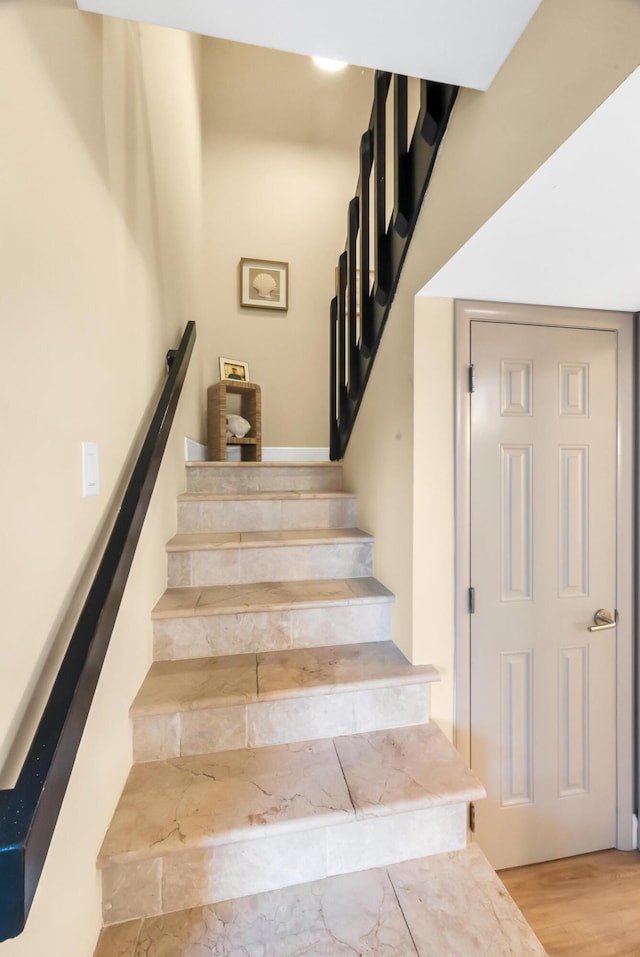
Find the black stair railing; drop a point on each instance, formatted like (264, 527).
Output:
(379, 230)
(29, 811)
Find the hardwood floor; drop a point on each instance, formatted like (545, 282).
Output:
(586, 906)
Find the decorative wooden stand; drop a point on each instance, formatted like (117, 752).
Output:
(250, 409)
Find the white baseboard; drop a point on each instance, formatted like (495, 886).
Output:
(285, 454)
(196, 452)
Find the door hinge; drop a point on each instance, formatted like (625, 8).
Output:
(472, 817)
(472, 601)
(472, 378)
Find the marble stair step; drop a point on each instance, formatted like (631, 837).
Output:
(193, 622)
(210, 704)
(265, 511)
(263, 476)
(198, 830)
(446, 905)
(211, 558)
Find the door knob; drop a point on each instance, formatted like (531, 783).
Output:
(603, 620)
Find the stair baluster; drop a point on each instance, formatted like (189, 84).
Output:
(363, 302)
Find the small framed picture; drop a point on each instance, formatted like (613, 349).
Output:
(234, 369)
(264, 284)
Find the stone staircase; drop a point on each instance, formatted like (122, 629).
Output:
(290, 795)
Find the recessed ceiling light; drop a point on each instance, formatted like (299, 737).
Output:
(331, 66)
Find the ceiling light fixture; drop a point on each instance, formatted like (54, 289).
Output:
(331, 66)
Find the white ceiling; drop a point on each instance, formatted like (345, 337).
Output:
(455, 41)
(570, 236)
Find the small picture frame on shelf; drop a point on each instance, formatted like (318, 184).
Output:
(264, 284)
(234, 369)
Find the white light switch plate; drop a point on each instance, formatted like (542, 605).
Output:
(90, 469)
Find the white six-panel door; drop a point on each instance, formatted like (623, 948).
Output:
(543, 561)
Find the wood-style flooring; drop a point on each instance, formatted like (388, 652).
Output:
(587, 906)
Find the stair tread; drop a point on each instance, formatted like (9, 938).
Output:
(455, 904)
(196, 601)
(451, 904)
(195, 541)
(263, 465)
(273, 496)
(192, 683)
(221, 798)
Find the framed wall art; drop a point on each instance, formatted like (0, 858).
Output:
(234, 369)
(264, 284)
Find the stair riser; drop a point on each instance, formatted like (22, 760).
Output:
(264, 479)
(276, 630)
(229, 566)
(207, 875)
(263, 516)
(283, 721)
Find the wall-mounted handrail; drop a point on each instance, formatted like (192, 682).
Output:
(29, 811)
(378, 236)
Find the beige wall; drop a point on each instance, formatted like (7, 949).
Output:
(433, 557)
(571, 57)
(100, 240)
(280, 166)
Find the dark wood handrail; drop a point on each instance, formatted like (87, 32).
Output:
(361, 307)
(29, 811)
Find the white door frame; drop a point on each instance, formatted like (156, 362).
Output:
(622, 324)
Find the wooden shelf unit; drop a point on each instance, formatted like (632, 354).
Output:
(250, 409)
